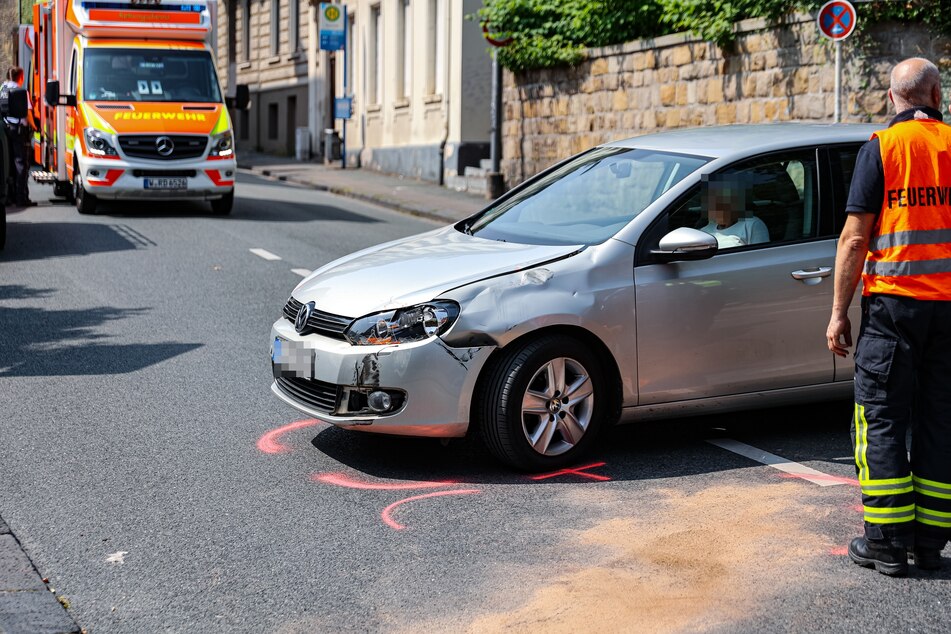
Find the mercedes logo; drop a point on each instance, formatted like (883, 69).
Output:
(303, 316)
(164, 145)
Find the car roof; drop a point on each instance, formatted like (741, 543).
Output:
(744, 140)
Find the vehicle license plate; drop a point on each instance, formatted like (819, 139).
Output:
(166, 183)
(289, 358)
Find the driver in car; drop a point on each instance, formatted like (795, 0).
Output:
(729, 222)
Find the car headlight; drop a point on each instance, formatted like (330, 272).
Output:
(222, 144)
(99, 143)
(404, 325)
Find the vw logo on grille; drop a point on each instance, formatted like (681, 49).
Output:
(303, 316)
(164, 146)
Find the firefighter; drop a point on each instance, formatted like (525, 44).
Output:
(897, 237)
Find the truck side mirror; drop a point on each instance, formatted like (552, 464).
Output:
(53, 97)
(241, 99)
(52, 93)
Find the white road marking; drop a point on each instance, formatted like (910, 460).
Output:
(301, 272)
(117, 558)
(777, 462)
(267, 255)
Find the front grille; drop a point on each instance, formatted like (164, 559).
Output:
(316, 394)
(322, 323)
(172, 173)
(143, 146)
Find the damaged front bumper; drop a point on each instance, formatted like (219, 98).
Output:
(429, 384)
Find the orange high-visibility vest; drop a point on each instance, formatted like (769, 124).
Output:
(910, 250)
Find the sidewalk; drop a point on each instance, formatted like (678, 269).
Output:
(396, 192)
(27, 605)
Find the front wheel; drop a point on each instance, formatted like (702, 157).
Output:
(541, 405)
(3, 225)
(85, 202)
(222, 206)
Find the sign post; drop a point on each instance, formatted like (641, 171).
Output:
(836, 21)
(332, 27)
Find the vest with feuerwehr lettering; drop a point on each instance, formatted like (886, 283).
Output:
(910, 250)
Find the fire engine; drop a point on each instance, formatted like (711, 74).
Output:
(128, 103)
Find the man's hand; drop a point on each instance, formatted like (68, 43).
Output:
(839, 335)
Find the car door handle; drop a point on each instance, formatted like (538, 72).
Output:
(809, 274)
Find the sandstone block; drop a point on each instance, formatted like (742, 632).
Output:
(599, 66)
(667, 95)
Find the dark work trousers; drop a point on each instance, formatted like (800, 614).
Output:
(21, 165)
(902, 382)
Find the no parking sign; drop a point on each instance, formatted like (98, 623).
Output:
(837, 19)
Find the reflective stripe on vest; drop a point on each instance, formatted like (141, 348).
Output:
(910, 253)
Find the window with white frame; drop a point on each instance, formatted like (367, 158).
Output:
(275, 27)
(375, 58)
(293, 25)
(246, 31)
(406, 53)
(435, 82)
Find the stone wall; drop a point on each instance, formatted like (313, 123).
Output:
(784, 73)
(9, 14)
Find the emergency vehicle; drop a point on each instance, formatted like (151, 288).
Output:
(128, 103)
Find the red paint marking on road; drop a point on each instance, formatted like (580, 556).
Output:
(578, 471)
(343, 480)
(839, 551)
(268, 443)
(858, 508)
(387, 512)
(824, 477)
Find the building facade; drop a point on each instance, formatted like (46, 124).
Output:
(418, 72)
(420, 76)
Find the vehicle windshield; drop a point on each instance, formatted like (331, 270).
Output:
(587, 200)
(111, 74)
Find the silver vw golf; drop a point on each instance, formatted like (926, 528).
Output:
(665, 274)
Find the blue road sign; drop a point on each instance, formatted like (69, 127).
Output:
(837, 19)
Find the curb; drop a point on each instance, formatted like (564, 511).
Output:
(27, 604)
(389, 203)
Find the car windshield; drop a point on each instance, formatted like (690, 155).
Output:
(587, 200)
(111, 74)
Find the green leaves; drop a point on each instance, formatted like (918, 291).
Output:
(549, 33)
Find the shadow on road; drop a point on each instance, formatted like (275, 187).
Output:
(41, 240)
(41, 342)
(639, 451)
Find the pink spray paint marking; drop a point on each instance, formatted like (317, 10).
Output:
(387, 512)
(269, 443)
(343, 480)
(839, 551)
(578, 471)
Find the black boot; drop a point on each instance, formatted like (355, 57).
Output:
(927, 558)
(885, 558)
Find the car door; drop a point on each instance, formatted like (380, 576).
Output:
(753, 316)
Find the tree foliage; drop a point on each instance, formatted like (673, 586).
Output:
(556, 32)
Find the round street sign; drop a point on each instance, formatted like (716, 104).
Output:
(837, 19)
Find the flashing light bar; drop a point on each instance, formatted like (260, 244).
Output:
(144, 6)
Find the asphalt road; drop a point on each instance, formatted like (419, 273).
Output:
(152, 477)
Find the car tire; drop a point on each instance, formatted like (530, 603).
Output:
(3, 225)
(85, 202)
(541, 405)
(222, 206)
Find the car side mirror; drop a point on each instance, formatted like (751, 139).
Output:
(241, 99)
(16, 104)
(685, 244)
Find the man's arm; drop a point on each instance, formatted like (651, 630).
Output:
(849, 260)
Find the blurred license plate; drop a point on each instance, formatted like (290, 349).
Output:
(166, 183)
(289, 358)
